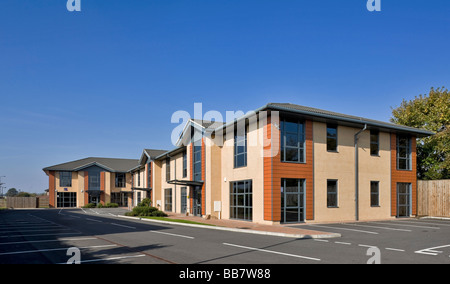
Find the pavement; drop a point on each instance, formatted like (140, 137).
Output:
(252, 228)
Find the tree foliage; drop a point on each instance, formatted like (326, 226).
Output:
(430, 112)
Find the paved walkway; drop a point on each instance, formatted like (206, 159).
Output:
(248, 227)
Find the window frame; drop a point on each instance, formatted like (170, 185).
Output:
(168, 199)
(408, 150)
(236, 154)
(184, 164)
(375, 151)
(301, 141)
(332, 126)
(168, 169)
(374, 196)
(65, 179)
(335, 194)
(118, 182)
(245, 197)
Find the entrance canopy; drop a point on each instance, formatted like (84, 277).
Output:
(185, 182)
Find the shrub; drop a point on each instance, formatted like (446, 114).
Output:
(89, 205)
(145, 202)
(111, 205)
(146, 211)
(99, 205)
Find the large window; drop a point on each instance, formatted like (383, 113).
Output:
(240, 147)
(241, 203)
(332, 193)
(167, 169)
(65, 179)
(374, 143)
(292, 141)
(184, 164)
(403, 153)
(332, 138)
(168, 199)
(197, 162)
(292, 200)
(66, 199)
(374, 193)
(120, 180)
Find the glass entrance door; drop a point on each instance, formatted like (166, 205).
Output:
(292, 200)
(197, 201)
(403, 199)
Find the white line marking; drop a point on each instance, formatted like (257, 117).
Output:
(367, 246)
(377, 227)
(56, 249)
(35, 235)
(343, 243)
(94, 220)
(109, 258)
(406, 225)
(431, 251)
(125, 226)
(319, 240)
(271, 251)
(337, 228)
(170, 234)
(48, 241)
(394, 249)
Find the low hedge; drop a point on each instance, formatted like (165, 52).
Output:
(146, 211)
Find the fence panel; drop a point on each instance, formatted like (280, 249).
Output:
(434, 198)
(21, 202)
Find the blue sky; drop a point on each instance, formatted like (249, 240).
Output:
(105, 81)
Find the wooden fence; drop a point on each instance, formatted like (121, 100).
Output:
(25, 202)
(433, 198)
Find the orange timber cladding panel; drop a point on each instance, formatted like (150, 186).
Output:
(403, 176)
(275, 170)
(51, 188)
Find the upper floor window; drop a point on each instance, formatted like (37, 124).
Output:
(120, 180)
(332, 138)
(374, 143)
(65, 179)
(139, 178)
(403, 152)
(197, 161)
(292, 141)
(167, 169)
(240, 147)
(184, 164)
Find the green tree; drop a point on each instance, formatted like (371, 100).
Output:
(430, 112)
(12, 192)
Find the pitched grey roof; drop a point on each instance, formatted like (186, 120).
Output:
(153, 153)
(109, 164)
(350, 119)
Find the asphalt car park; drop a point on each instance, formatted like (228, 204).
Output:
(101, 236)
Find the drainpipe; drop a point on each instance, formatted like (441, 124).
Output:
(357, 173)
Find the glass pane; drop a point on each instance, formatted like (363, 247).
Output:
(292, 215)
(291, 127)
(331, 144)
(291, 200)
(292, 140)
(291, 155)
(240, 213)
(291, 185)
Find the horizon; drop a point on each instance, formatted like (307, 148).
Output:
(105, 81)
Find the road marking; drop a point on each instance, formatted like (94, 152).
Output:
(431, 251)
(319, 240)
(343, 243)
(273, 252)
(125, 226)
(394, 249)
(35, 235)
(407, 225)
(367, 246)
(48, 241)
(170, 234)
(109, 258)
(377, 227)
(56, 249)
(347, 229)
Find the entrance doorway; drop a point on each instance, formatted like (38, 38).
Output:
(292, 200)
(197, 201)
(403, 200)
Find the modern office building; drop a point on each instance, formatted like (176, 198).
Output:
(281, 163)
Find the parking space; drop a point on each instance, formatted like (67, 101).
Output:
(26, 238)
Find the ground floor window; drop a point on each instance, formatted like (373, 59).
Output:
(403, 199)
(168, 199)
(67, 199)
(121, 198)
(241, 200)
(292, 200)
